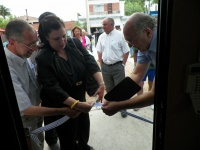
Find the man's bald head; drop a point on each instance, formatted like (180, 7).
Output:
(138, 22)
(138, 30)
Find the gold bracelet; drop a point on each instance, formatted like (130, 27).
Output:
(74, 104)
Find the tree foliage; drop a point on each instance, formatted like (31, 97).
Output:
(6, 16)
(4, 11)
(140, 2)
(82, 25)
(132, 6)
(154, 1)
(4, 22)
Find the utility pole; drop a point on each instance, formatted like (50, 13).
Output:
(149, 6)
(78, 16)
(87, 17)
(26, 15)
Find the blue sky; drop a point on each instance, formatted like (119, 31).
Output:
(65, 9)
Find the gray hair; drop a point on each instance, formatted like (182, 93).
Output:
(142, 21)
(111, 20)
(15, 28)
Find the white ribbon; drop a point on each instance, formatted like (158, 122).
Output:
(33, 134)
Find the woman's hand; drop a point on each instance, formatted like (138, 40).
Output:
(72, 113)
(77, 105)
(84, 106)
(100, 92)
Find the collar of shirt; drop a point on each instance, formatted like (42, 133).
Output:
(20, 61)
(153, 42)
(110, 32)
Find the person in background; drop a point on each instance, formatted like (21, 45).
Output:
(62, 74)
(91, 40)
(96, 30)
(140, 31)
(22, 42)
(3, 39)
(87, 40)
(77, 32)
(134, 52)
(113, 52)
(5, 43)
(150, 75)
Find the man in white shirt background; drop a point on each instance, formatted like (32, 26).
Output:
(113, 52)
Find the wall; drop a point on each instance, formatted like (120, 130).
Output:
(182, 130)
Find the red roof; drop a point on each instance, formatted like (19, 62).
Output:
(2, 30)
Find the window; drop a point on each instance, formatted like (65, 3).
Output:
(99, 8)
(109, 8)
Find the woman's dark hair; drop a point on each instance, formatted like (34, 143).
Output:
(48, 24)
(76, 27)
(44, 14)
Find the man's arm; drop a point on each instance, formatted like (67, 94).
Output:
(146, 99)
(99, 58)
(125, 57)
(111, 107)
(139, 72)
(143, 100)
(47, 111)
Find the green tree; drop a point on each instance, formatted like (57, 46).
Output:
(4, 22)
(4, 11)
(131, 7)
(154, 1)
(82, 25)
(78, 24)
(140, 2)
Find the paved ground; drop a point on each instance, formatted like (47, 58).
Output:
(117, 133)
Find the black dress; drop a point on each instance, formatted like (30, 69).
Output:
(60, 79)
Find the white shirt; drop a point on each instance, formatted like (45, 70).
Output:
(87, 40)
(112, 46)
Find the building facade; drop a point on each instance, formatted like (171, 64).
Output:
(100, 9)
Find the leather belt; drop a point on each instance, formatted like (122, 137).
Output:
(113, 63)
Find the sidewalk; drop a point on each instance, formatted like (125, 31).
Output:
(117, 133)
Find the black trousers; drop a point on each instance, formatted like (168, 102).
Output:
(74, 133)
(51, 137)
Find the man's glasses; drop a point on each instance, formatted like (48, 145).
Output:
(32, 47)
(132, 42)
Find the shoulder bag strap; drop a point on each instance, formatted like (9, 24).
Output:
(77, 48)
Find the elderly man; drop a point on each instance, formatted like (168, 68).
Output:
(113, 53)
(140, 32)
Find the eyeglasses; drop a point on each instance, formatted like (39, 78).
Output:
(32, 47)
(132, 42)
